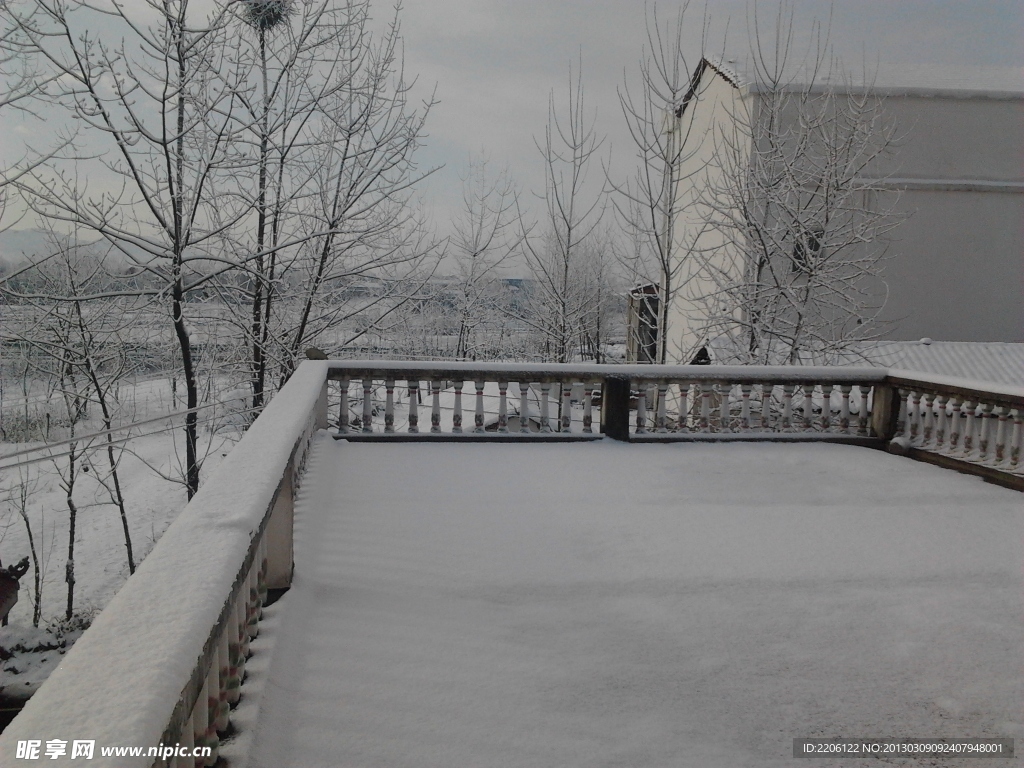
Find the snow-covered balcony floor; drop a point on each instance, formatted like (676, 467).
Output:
(467, 606)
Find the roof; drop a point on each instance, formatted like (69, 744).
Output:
(960, 81)
(997, 362)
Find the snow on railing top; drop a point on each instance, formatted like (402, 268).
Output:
(125, 679)
(977, 388)
(576, 371)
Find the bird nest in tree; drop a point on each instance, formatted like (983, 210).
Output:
(266, 14)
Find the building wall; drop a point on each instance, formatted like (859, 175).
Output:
(958, 136)
(957, 270)
(719, 107)
(956, 265)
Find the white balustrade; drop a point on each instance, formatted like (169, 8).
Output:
(958, 423)
(943, 421)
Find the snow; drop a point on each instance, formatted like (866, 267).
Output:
(643, 605)
(981, 385)
(559, 371)
(121, 680)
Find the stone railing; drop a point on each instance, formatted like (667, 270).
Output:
(970, 426)
(394, 400)
(163, 662)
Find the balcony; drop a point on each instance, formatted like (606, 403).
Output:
(651, 566)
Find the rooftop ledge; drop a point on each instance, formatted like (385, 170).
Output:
(524, 604)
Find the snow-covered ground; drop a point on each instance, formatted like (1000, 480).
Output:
(642, 605)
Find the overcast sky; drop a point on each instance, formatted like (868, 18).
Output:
(495, 61)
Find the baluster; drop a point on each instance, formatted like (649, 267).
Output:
(826, 407)
(253, 620)
(745, 407)
(343, 408)
(862, 409)
(1002, 412)
(261, 575)
(588, 407)
(241, 644)
(545, 391)
(187, 741)
(435, 406)
(223, 681)
(984, 424)
(641, 408)
(941, 422)
(1015, 440)
(367, 405)
(953, 438)
(661, 422)
(766, 405)
(414, 405)
(457, 413)
(844, 408)
(502, 406)
(212, 706)
(566, 406)
(201, 720)
(902, 421)
(970, 412)
(478, 419)
(705, 406)
(684, 391)
(787, 407)
(969, 420)
(389, 405)
(914, 416)
(808, 390)
(927, 419)
(724, 414)
(524, 407)
(245, 613)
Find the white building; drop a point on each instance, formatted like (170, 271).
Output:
(955, 269)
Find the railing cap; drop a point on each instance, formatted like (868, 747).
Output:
(974, 388)
(563, 371)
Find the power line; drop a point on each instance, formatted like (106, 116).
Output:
(118, 441)
(119, 428)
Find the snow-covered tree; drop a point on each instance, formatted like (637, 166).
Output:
(799, 213)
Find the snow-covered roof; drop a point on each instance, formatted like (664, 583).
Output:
(997, 362)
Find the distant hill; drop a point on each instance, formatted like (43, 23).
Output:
(20, 245)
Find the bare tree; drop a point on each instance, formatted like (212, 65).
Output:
(19, 493)
(793, 274)
(485, 235)
(331, 133)
(572, 211)
(154, 96)
(94, 345)
(649, 202)
(300, 58)
(20, 81)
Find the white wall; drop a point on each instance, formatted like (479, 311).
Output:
(956, 270)
(703, 124)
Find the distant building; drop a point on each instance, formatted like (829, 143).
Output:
(957, 266)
